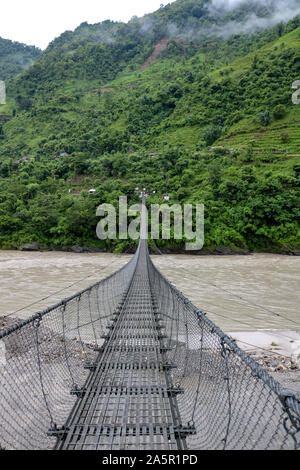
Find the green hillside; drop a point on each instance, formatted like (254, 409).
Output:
(15, 57)
(114, 106)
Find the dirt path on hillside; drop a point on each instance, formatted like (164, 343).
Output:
(160, 46)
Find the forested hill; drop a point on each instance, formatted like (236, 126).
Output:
(103, 50)
(15, 57)
(171, 101)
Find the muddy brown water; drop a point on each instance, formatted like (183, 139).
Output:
(255, 298)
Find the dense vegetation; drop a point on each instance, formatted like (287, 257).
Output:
(15, 57)
(88, 114)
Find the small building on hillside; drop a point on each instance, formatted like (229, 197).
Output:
(60, 155)
(213, 149)
(26, 159)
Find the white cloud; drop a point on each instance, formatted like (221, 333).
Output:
(226, 3)
(282, 11)
(37, 22)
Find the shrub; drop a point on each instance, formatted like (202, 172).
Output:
(284, 136)
(264, 118)
(279, 111)
(212, 133)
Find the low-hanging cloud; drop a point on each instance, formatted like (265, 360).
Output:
(276, 11)
(279, 11)
(271, 13)
(226, 4)
(262, 14)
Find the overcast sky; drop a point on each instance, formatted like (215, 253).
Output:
(37, 22)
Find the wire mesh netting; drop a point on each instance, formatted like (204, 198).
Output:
(44, 358)
(130, 363)
(229, 399)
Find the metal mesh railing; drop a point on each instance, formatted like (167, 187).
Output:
(212, 394)
(44, 358)
(229, 399)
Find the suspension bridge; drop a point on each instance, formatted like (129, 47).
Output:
(131, 364)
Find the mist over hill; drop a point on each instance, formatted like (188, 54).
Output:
(106, 49)
(221, 18)
(190, 20)
(15, 57)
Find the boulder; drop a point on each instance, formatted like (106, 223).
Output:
(31, 247)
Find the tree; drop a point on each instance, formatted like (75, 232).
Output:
(284, 136)
(279, 111)
(254, 63)
(264, 118)
(280, 29)
(197, 11)
(215, 175)
(212, 133)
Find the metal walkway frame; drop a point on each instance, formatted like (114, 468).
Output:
(128, 400)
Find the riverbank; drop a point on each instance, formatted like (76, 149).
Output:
(284, 368)
(277, 351)
(214, 251)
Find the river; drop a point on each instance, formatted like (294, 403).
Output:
(255, 297)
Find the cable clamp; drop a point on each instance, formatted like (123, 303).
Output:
(37, 321)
